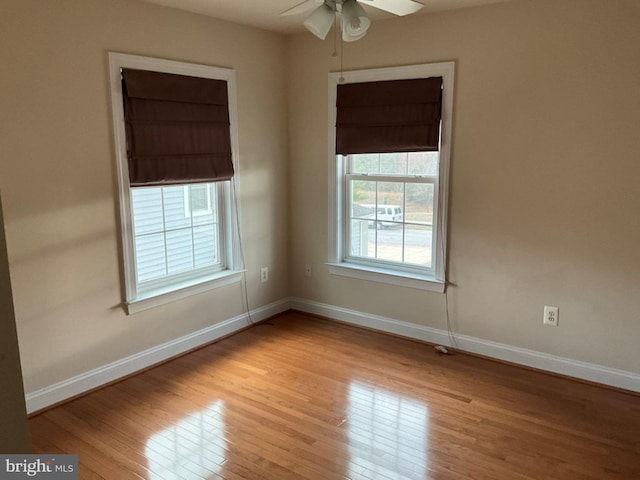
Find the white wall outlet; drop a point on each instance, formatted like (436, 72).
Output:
(307, 270)
(550, 316)
(264, 274)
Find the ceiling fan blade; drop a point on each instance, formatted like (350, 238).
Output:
(397, 7)
(302, 7)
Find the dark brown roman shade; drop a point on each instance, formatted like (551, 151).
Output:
(389, 116)
(177, 128)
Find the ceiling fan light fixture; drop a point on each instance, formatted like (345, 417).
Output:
(355, 21)
(320, 21)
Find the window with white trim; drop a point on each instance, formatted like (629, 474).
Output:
(389, 210)
(177, 239)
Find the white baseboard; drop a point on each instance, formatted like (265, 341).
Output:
(521, 356)
(97, 377)
(92, 379)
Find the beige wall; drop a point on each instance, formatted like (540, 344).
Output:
(57, 174)
(544, 193)
(14, 436)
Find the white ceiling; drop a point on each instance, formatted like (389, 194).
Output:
(266, 13)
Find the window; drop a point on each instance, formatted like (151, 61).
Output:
(388, 221)
(178, 233)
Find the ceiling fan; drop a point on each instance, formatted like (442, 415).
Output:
(354, 21)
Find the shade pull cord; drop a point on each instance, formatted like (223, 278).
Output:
(335, 38)
(234, 189)
(341, 79)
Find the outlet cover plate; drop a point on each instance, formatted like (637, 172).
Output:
(550, 316)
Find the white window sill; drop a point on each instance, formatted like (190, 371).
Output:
(166, 295)
(391, 277)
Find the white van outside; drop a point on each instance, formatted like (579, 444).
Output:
(387, 215)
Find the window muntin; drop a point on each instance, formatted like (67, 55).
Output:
(391, 210)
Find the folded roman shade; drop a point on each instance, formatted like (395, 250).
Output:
(177, 128)
(389, 116)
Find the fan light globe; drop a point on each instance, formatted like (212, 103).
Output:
(355, 21)
(320, 21)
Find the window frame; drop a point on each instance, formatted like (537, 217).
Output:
(380, 271)
(136, 298)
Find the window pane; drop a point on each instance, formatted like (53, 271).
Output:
(390, 198)
(205, 246)
(379, 163)
(365, 163)
(150, 257)
(199, 197)
(179, 250)
(147, 210)
(176, 214)
(363, 199)
(417, 245)
(202, 200)
(360, 238)
(389, 244)
(393, 163)
(424, 163)
(419, 203)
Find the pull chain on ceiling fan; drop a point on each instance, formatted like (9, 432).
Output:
(354, 21)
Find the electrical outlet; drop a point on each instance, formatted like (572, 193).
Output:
(550, 316)
(307, 270)
(264, 274)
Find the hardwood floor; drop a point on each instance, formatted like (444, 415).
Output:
(309, 398)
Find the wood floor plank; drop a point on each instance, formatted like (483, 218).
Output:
(307, 398)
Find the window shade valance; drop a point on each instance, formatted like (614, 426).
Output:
(177, 128)
(389, 116)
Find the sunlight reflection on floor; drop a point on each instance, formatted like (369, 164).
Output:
(387, 434)
(192, 448)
